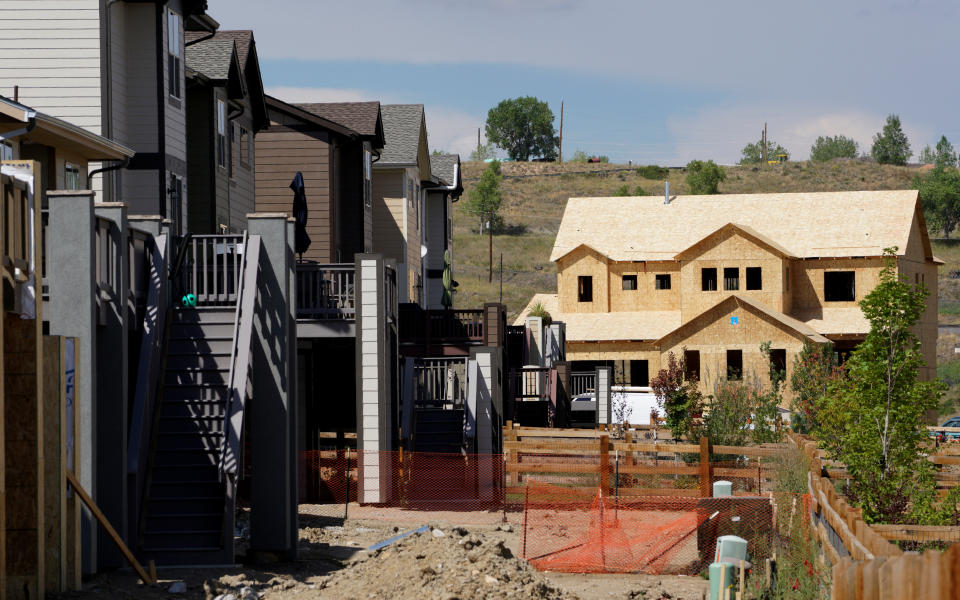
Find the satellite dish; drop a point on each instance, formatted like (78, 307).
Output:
(423, 251)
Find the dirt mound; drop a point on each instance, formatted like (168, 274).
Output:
(439, 564)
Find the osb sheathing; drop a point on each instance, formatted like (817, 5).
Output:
(646, 296)
(808, 279)
(584, 261)
(730, 249)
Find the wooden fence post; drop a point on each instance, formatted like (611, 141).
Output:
(705, 470)
(605, 464)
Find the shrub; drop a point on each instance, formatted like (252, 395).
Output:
(891, 146)
(639, 191)
(539, 310)
(838, 146)
(653, 172)
(623, 190)
(578, 157)
(704, 177)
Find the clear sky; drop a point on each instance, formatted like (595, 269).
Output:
(653, 82)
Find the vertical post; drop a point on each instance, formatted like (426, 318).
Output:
(605, 465)
(560, 144)
(490, 237)
(705, 471)
(764, 144)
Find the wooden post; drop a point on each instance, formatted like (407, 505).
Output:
(605, 464)
(723, 584)
(705, 471)
(743, 587)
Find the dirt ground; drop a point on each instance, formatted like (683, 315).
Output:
(460, 556)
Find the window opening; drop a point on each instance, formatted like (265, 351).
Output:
(585, 288)
(708, 280)
(731, 278)
(629, 282)
(734, 365)
(754, 278)
(662, 282)
(691, 365)
(839, 286)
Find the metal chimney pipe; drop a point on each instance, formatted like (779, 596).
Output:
(666, 192)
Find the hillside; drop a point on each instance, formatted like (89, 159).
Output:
(535, 195)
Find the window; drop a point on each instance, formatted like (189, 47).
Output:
(691, 365)
(708, 280)
(731, 278)
(778, 360)
(221, 133)
(754, 278)
(629, 282)
(839, 286)
(585, 288)
(639, 373)
(71, 177)
(174, 54)
(6, 151)
(662, 282)
(734, 365)
(367, 178)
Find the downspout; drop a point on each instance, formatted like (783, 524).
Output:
(31, 125)
(121, 165)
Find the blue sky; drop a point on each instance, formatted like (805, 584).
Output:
(651, 82)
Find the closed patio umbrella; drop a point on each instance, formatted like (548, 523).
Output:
(301, 239)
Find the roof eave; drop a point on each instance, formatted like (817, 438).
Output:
(100, 147)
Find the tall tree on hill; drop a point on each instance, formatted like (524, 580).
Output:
(752, 154)
(940, 196)
(830, 147)
(524, 128)
(483, 201)
(944, 155)
(891, 146)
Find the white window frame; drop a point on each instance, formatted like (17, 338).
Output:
(221, 133)
(71, 176)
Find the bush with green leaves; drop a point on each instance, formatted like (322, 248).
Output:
(830, 147)
(524, 128)
(482, 152)
(704, 177)
(940, 196)
(639, 191)
(814, 368)
(752, 154)
(578, 157)
(653, 172)
(679, 399)
(623, 190)
(891, 146)
(539, 310)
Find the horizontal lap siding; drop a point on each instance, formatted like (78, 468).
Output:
(279, 155)
(388, 199)
(51, 51)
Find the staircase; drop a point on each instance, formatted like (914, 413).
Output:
(438, 430)
(188, 515)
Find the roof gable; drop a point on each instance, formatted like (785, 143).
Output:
(361, 117)
(405, 132)
(742, 231)
(797, 328)
(820, 224)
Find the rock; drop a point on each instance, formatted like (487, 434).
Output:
(248, 594)
(427, 570)
(209, 589)
(438, 533)
(487, 579)
(505, 527)
(474, 555)
(225, 597)
(500, 550)
(450, 596)
(461, 531)
(178, 587)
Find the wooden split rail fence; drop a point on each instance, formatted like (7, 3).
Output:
(628, 467)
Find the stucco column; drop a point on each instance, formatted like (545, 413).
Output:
(71, 312)
(604, 379)
(272, 413)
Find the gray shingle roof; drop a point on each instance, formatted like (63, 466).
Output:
(441, 166)
(358, 116)
(211, 58)
(401, 128)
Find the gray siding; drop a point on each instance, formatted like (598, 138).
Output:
(242, 185)
(175, 117)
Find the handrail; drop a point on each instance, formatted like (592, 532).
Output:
(240, 360)
(181, 256)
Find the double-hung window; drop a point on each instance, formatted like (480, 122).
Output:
(174, 55)
(71, 177)
(221, 133)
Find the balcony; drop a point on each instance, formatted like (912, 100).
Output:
(325, 292)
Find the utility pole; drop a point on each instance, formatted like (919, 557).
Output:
(501, 278)
(490, 230)
(478, 138)
(764, 140)
(560, 154)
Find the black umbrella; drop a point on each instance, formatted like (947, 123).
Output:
(302, 240)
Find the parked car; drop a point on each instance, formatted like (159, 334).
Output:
(948, 435)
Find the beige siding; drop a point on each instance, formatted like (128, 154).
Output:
(389, 195)
(51, 50)
(280, 154)
(414, 207)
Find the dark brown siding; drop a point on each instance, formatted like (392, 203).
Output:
(280, 153)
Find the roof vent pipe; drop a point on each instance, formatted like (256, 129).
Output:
(666, 192)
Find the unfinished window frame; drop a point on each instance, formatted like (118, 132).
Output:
(754, 278)
(661, 281)
(628, 283)
(584, 288)
(691, 365)
(778, 360)
(708, 279)
(734, 365)
(731, 279)
(835, 289)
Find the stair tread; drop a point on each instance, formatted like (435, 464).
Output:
(184, 515)
(182, 498)
(182, 549)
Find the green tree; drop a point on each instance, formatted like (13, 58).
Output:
(873, 417)
(814, 368)
(578, 157)
(524, 128)
(483, 201)
(830, 147)
(940, 196)
(945, 155)
(927, 156)
(753, 153)
(679, 397)
(891, 146)
(704, 177)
